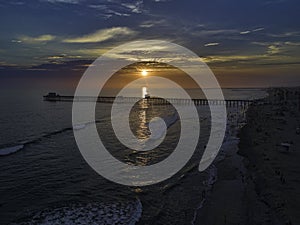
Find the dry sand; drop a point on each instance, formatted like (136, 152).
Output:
(259, 183)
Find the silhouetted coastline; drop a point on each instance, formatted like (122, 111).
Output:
(259, 183)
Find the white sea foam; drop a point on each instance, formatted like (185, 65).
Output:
(10, 150)
(236, 120)
(91, 213)
(158, 130)
(79, 126)
(211, 179)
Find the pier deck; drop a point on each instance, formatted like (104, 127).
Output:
(153, 100)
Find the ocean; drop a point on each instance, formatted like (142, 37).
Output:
(45, 180)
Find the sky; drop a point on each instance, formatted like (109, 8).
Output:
(246, 43)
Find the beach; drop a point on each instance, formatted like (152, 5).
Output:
(258, 180)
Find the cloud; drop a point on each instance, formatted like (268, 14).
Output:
(274, 53)
(62, 65)
(153, 23)
(274, 2)
(62, 56)
(292, 43)
(280, 48)
(16, 41)
(258, 29)
(286, 34)
(62, 1)
(110, 8)
(203, 31)
(212, 44)
(245, 32)
(162, 0)
(134, 7)
(134, 52)
(214, 32)
(102, 35)
(239, 61)
(273, 49)
(99, 7)
(232, 58)
(251, 31)
(95, 52)
(147, 25)
(265, 43)
(17, 3)
(38, 39)
(112, 12)
(107, 11)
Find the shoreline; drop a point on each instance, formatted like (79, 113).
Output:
(252, 179)
(270, 143)
(236, 120)
(230, 182)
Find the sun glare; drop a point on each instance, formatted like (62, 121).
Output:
(144, 73)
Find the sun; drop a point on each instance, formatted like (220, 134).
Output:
(144, 73)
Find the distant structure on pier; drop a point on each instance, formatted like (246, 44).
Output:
(146, 94)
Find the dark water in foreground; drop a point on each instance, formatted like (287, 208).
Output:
(47, 181)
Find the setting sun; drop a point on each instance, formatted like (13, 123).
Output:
(144, 73)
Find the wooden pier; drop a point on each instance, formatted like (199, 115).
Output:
(151, 100)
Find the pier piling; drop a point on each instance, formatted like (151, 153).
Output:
(153, 100)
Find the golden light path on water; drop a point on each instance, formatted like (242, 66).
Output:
(144, 73)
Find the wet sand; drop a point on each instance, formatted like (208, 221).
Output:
(258, 183)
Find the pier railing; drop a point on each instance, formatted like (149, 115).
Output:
(151, 100)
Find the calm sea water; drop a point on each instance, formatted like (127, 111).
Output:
(47, 181)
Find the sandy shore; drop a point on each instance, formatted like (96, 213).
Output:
(258, 183)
